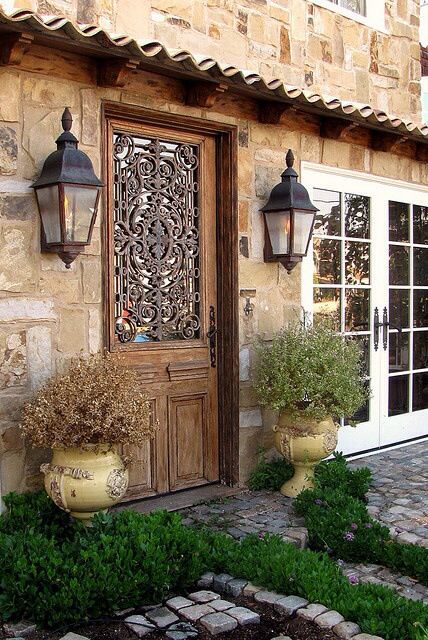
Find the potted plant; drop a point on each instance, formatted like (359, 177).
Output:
(83, 416)
(311, 376)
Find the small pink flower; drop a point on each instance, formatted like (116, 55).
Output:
(353, 579)
(354, 525)
(348, 536)
(368, 525)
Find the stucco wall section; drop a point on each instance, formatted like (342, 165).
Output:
(296, 40)
(49, 314)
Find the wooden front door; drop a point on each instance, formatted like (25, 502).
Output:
(161, 236)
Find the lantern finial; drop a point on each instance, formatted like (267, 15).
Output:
(289, 159)
(67, 119)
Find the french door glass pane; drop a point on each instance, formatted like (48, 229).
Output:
(420, 225)
(420, 267)
(399, 265)
(420, 391)
(420, 350)
(398, 395)
(357, 6)
(357, 263)
(399, 308)
(327, 261)
(357, 216)
(328, 219)
(420, 308)
(341, 261)
(398, 352)
(327, 306)
(399, 222)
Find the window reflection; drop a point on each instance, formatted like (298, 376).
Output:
(399, 219)
(327, 306)
(420, 350)
(327, 221)
(420, 225)
(398, 397)
(357, 216)
(398, 352)
(399, 308)
(420, 391)
(357, 309)
(420, 308)
(420, 267)
(326, 261)
(398, 265)
(357, 262)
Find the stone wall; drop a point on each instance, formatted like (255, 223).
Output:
(295, 40)
(49, 314)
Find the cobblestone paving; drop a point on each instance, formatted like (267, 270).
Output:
(398, 498)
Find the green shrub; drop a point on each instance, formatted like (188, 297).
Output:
(122, 560)
(338, 522)
(270, 475)
(310, 371)
(62, 573)
(336, 474)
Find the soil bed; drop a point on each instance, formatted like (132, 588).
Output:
(272, 624)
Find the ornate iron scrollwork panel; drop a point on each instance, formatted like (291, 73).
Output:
(156, 239)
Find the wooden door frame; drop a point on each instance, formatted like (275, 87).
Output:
(227, 265)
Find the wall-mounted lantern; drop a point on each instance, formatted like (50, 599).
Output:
(289, 218)
(67, 195)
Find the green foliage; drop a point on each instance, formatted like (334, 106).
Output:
(422, 632)
(270, 475)
(56, 571)
(56, 577)
(283, 568)
(310, 370)
(337, 474)
(338, 522)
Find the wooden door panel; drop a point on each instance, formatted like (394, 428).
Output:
(162, 290)
(187, 438)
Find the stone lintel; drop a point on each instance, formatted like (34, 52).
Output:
(115, 72)
(272, 112)
(204, 94)
(14, 46)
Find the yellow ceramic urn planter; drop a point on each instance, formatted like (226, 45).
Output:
(86, 480)
(304, 443)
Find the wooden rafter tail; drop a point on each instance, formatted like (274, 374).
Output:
(336, 128)
(272, 112)
(387, 142)
(114, 72)
(13, 47)
(422, 152)
(204, 94)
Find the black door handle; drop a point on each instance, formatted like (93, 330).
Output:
(212, 337)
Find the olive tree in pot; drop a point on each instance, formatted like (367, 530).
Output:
(312, 376)
(84, 416)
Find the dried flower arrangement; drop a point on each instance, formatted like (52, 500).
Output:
(99, 400)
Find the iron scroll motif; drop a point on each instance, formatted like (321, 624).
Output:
(156, 239)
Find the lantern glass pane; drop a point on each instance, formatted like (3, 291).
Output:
(79, 208)
(303, 221)
(278, 224)
(49, 212)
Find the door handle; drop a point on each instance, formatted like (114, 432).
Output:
(385, 326)
(376, 329)
(212, 337)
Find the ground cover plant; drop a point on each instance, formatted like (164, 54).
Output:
(55, 571)
(338, 522)
(270, 475)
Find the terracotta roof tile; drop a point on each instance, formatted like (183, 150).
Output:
(199, 66)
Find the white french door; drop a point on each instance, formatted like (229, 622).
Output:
(367, 269)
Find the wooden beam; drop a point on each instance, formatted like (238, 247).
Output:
(204, 94)
(114, 72)
(336, 128)
(272, 112)
(14, 46)
(422, 152)
(387, 142)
